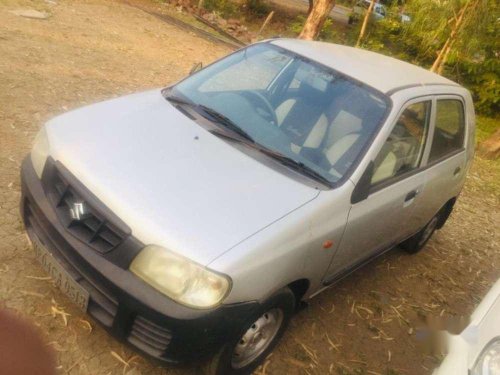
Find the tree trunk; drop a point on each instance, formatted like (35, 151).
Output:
(316, 18)
(311, 3)
(445, 50)
(444, 59)
(365, 23)
(268, 19)
(490, 149)
(440, 55)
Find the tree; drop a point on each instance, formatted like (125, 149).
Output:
(467, 11)
(316, 18)
(455, 38)
(445, 30)
(365, 23)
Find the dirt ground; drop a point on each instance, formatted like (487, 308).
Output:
(367, 324)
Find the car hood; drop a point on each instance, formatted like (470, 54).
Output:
(175, 184)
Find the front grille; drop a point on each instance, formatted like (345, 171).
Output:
(149, 336)
(90, 226)
(102, 304)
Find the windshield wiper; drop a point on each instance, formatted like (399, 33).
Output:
(179, 100)
(220, 119)
(297, 165)
(213, 115)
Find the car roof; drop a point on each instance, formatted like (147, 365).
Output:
(381, 72)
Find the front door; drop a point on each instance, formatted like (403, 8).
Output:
(386, 216)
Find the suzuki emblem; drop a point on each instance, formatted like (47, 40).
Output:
(78, 211)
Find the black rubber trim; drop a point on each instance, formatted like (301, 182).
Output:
(117, 297)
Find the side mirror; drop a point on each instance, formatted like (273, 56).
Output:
(362, 189)
(196, 68)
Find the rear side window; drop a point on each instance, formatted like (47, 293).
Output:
(449, 131)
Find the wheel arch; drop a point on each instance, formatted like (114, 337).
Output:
(446, 212)
(299, 288)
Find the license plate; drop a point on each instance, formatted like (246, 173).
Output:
(61, 277)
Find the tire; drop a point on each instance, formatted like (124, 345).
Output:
(227, 361)
(446, 212)
(418, 241)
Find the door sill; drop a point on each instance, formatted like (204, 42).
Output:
(342, 274)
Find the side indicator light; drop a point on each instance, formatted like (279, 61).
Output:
(327, 244)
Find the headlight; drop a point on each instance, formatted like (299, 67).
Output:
(488, 362)
(179, 278)
(40, 152)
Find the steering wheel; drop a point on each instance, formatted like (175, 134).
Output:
(262, 106)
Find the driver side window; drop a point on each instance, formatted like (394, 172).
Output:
(403, 149)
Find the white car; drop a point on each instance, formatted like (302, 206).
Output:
(192, 220)
(379, 11)
(476, 351)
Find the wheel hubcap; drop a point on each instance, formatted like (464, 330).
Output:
(429, 229)
(257, 338)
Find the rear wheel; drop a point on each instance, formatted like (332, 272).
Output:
(417, 242)
(257, 338)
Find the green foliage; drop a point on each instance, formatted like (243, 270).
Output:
(485, 127)
(226, 8)
(297, 24)
(327, 33)
(429, 27)
(477, 66)
(258, 7)
(473, 61)
(383, 36)
(483, 80)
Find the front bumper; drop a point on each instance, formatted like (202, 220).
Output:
(129, 309)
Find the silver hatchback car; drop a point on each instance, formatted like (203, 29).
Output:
(190, 221)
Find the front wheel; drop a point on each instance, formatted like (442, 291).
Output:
(257, 338)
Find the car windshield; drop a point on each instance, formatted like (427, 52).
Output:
(287, 104)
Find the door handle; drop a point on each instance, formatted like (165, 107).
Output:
(457, 171)
(411, 195)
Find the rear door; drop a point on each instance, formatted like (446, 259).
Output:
(445, 157)
(386, 216)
